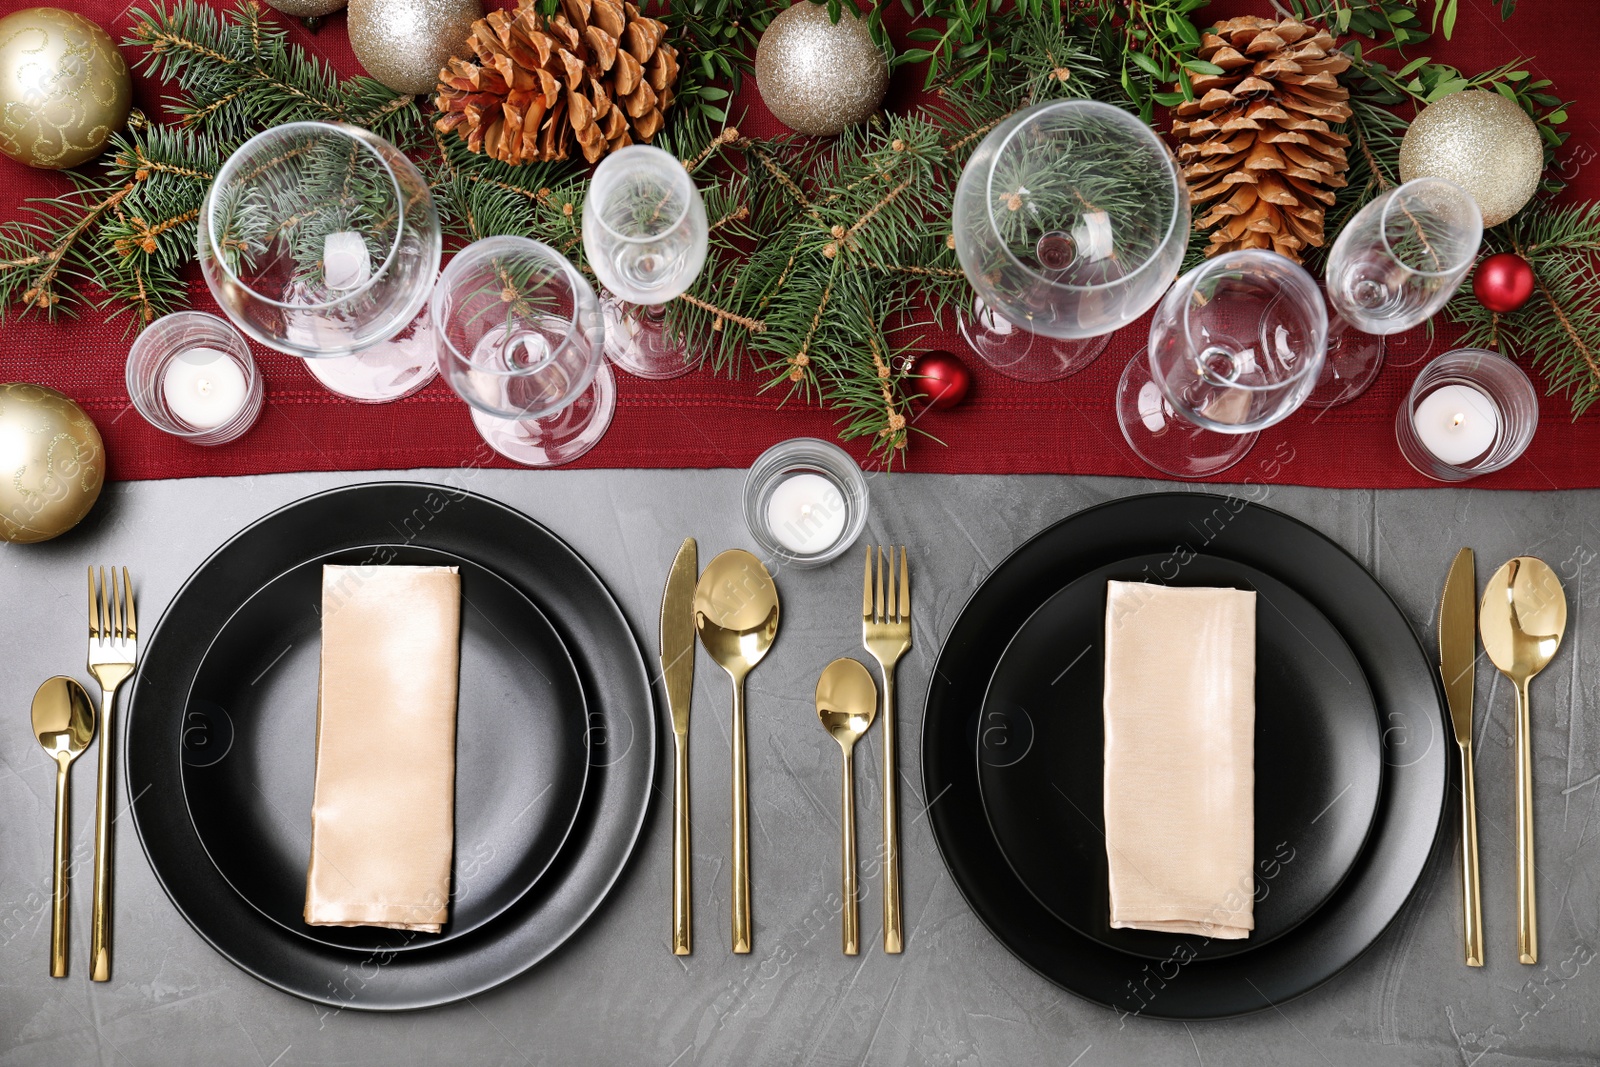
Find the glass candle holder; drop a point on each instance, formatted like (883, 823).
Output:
(1469, 412)
(805, 502)
(191, 375)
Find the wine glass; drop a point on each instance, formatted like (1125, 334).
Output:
(322, 241)
(522, 341)
(1070, 220)
(1235, 346)
(645, 235)
(1393, 266)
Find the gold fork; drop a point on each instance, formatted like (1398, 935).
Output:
(886, 633)
(113, 650)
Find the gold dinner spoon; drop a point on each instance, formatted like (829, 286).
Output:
(847, 700)
(63, 721)
(736, 615)
(1522, 620)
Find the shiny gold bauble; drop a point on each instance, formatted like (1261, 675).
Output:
(306, 9)
(817, 77)
(1481, 141)
(64, 88)
(403, 43)
(53, 463)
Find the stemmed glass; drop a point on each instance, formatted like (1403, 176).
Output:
(1393, 267)
(1070, 220)
(322, 241)
(521, 340)
(645, 235)
(1235, 346)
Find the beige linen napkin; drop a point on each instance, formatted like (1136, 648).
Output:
(383, 814)
(1180, 758)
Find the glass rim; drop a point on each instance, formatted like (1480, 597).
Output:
(472, 257)
(1394, 197)
(1298, 276)
(1124, 118)
(355, 134)
(679, 174)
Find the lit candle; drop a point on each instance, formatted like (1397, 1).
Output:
(806, 513)
(1457, 423)
(204, 387)
(345, 262)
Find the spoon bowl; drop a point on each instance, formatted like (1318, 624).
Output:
(63, 723)
(736, 615)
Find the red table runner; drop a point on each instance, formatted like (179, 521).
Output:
(701, 420)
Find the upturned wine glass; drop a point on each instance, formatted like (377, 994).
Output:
(522, 340)
(1070, 220)
(1392, 267)
(1235, 346)
(322, 241)
(645, 236)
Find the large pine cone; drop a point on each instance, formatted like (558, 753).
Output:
(1257, 143)
(599, 73)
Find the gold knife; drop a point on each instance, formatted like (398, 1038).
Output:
(1458, 655)
(677, 669)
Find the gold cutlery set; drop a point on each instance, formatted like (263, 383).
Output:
(733, 606)
(64, 723)
(1521, 620)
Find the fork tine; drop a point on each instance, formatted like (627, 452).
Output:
(878, 605)
(890, 614)
(105, 606)
(133, 628)
(94, 609)
(905, 587)
(116, 606)
(866, 589)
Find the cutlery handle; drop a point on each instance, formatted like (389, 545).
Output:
(1527, 905)
(58, 888)
(741, 828)
(892, 924)
(852, 908)
(681, 907)
(100, 926)
(1471, 898)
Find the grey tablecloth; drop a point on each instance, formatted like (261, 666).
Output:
(616, 995)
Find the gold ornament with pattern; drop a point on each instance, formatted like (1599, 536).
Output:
(64, 88)
(53, 462)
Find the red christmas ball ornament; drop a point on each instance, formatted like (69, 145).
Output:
(1503, 282)
(939, 376)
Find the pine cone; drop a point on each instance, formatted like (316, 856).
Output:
(1257, 143)
(599, 73)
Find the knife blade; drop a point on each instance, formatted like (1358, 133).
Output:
(1458, 641)
(677, 670)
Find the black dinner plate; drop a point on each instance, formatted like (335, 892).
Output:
(1318, 764)
(1403, 684)
(521, 747)
(622, 734)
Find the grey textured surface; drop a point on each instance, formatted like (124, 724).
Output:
(616, 995)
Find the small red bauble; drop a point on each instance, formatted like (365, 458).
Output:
(1503, 282)
(940, 376)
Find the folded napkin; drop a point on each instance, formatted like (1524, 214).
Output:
(1180, 758)
(383, 814)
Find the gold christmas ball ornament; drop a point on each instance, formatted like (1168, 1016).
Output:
(306, 9)
(1481, 141)
(817, 76)
(53, 459)
(404, 43)
(64, 88)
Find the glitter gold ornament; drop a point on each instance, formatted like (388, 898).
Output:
(306, 9)
(403, 43)
(1481, 141)
(64, 88)
(816, 76)
(53, 461)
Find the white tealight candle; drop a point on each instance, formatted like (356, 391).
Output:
(1457, 423)
(204, 387)
(806, 513)
(345, 261)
